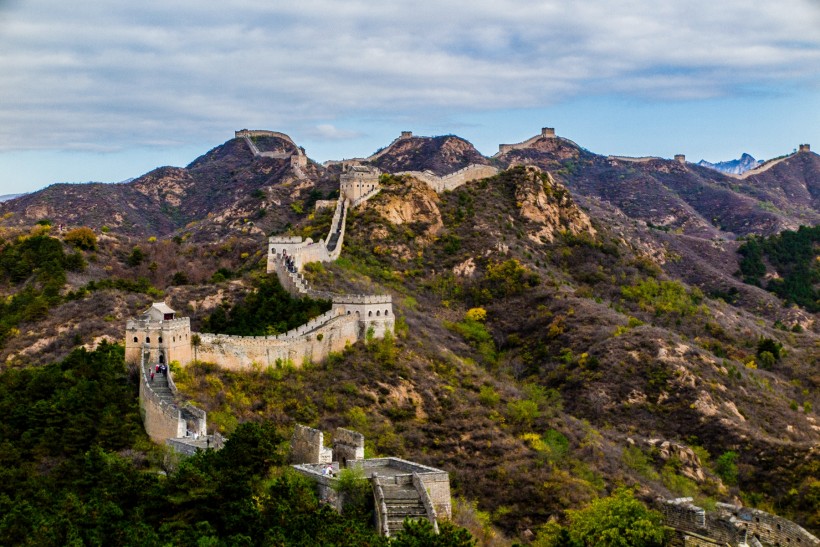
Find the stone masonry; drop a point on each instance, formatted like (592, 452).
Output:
(401, 489)
(731, 525)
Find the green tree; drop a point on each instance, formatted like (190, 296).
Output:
(420, 533)
(726, 468)
(616, 521)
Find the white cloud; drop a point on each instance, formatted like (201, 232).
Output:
(82, 75)
(329, 132)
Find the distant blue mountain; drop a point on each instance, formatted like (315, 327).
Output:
(9, 196)
(733, 167)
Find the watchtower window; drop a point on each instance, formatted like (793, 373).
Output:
(378, 313)
(147, 340)
(160, 340)
(136, 339)
(387, 312)
(370, 314)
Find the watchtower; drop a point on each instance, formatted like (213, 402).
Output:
(375, 313)
(548, 132)
(158, 335)
(357, 181)
(804, 148)
(680, 158)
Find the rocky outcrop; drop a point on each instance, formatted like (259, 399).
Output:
(549, 207)
(416, 203)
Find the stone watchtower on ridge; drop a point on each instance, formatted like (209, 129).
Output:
(158, 335)
(358, 181)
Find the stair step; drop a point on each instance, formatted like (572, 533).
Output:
(410, 512)
(401, 494)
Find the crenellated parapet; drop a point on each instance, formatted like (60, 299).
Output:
(731, 525)
(451, 181)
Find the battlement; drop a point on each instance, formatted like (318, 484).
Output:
(363, 299)
(167, 324)
(733, 525)
(451, 181)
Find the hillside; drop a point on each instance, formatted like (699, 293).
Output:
(568, 326)
(441, 155)
(225, 190)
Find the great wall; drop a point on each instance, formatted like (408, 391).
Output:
(730, 525)
(401, 489)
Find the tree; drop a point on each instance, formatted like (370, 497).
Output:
(616, 521)
(420, 533)
(726, 468)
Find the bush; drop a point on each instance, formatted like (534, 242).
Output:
(726, 468)
(82, 238)
(619, 520)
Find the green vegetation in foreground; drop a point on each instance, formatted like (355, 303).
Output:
(268, 310)
(77, 469)
(795, 258)
(615, 521)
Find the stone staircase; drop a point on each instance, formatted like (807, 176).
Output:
(402, 502)
(337, 230)
(161, 388)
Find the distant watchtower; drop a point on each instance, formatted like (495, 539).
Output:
(804, 148)
(548, 132)
(159, 335)
(406, 135)
(680, 158)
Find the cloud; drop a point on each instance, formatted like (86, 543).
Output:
(328, 132)
(84, 75)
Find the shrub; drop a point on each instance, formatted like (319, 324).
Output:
(136, 257)
(476, 314)
(726, 468)
(522, 412)
(616, 521)
(82, 238)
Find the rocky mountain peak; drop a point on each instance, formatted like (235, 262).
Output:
(733, 167)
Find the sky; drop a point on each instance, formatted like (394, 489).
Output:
(107, 91)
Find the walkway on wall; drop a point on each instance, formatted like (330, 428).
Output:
(159, 384)
(338, 230)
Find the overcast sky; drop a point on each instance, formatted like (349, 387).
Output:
(105, 91)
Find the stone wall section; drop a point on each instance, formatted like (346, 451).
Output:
(312, 342)
(307, 446)
(298, 159)
(546, 133)
(455, 179)
(347, 446)
(161, 420)
(732, 525)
